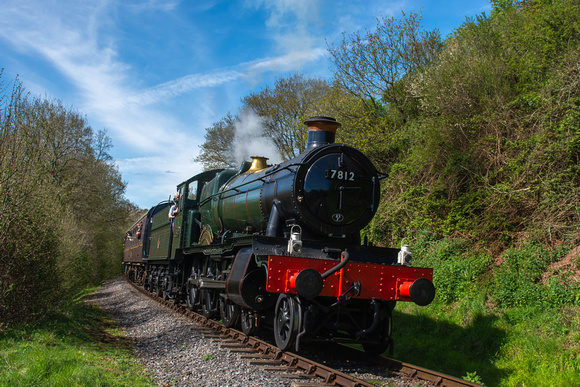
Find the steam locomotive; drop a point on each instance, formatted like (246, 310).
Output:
(278, 247)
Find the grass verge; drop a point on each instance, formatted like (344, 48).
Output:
(79, 346)
(523, 346)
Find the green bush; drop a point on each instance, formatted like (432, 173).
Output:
(522, 278)
(62, 212)
(459, 270)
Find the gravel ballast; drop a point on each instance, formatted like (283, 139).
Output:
(174, 348)
(179, 352)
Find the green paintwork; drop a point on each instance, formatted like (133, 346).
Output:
(209, 199)
(160, 236)
(234, 205)
(187, 226)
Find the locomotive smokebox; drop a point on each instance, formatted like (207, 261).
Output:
(321, 131)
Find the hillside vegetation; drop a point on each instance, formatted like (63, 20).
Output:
(483, 156)
(481, 143)
(479, 135)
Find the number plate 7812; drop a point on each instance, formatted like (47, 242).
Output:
(337, 174)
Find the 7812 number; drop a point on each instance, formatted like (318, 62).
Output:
(336, 174)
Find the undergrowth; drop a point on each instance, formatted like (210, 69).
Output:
(78, 346)
(499, 321)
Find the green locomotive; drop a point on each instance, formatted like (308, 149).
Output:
(279, 246)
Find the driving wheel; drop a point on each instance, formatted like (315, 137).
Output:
(166, 286)
(192, 296)
(286, 321)
(249, 321)
(159, 285)
(209, 303)
(229, 312)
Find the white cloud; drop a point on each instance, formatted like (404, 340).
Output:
(289, 62)
(80, 41)
(73, 40)
(184, 85)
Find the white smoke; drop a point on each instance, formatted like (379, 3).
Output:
(249, 139)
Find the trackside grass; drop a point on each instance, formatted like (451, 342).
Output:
(80, 346)
(502, 319)
(528, 345)
(524, 346)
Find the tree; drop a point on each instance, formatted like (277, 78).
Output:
(375, 68)
(28, 250)
(373, 65)
(218, 149)
(286, 106)
(62, 210)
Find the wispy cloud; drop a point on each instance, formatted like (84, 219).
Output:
(81, 40)
(288, 62)
(184, 85)
(243, 71)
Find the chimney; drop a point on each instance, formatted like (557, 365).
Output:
(321, 131)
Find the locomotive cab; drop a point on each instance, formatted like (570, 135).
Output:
(188, 226)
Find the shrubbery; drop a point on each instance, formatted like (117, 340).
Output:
(61, 209)
(518, 278)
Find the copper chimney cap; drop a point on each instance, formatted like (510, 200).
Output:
(327, 124)
(321, 131)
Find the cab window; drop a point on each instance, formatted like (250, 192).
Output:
(192, 191)
(180, 192)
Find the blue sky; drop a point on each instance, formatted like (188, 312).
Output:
(156, 73)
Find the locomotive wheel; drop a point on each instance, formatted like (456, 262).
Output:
(383, 338)
(166, 287)
(147, 282)
(152, 279)
(192, 296)
(286, 321)
(193, 293)
(151, 282)
(249, 322)
(159, 285)
(209, 303)
(229, 312)
(140, 276)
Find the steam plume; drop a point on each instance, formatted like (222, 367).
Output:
(249, 139)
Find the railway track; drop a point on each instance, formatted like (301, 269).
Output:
(268, 356)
